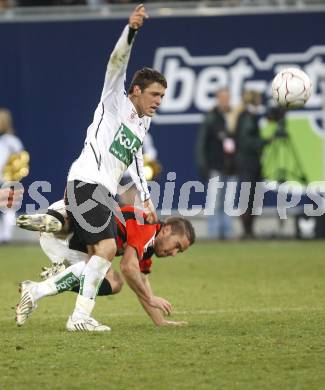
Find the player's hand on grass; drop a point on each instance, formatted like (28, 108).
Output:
(162, 304)
(137, 17)
(149, 210)
(175, 323)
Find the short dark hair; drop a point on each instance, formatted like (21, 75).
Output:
(146, 76)
(180, 225)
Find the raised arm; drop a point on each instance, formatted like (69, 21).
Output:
(131, 271)
(118, 61)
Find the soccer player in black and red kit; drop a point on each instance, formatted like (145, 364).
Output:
(137, 241)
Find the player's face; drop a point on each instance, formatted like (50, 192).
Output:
(148, 100)
(169, 244)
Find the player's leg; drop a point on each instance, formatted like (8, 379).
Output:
(56, 250)
(111, 284)
(59, 253)
(59, 277)
(39, 222)
(31, 291)
(114, 279)
(90, 281)
(55, 220)
(97, 228)
(68, 280)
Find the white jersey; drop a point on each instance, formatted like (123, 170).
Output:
(9, 144)
(114, 139)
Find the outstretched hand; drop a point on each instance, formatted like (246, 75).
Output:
(137, 17)
(161, 304)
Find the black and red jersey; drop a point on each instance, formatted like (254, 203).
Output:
(133, 231)
(138, 233)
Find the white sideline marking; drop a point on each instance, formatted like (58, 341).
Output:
(203, 312)
(225, 311)
(266, 310)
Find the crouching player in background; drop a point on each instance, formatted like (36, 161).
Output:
(136, 242)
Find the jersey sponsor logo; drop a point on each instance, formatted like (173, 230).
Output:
(67, 282)
(125, 145)
(193, 80)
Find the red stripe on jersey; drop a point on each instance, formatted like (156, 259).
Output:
(137, 233)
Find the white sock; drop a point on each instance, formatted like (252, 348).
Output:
(84, 307)
(61, 282)
(90, 280)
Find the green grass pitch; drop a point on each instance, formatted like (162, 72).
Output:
(256, 313)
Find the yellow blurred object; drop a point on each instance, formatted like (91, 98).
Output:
(152, 168)
(17, 166)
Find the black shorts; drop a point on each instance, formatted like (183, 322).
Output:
(91, 210)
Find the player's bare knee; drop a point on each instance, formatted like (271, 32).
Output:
(118, 285)
(115, 280)
(105, 249)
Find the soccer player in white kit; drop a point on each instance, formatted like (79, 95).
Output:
(113, 144)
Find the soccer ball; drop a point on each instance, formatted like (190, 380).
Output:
(291, 88)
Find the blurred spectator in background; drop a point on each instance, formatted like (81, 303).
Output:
(9, 145)
(249, 150)
(44, 3)
(215, 157)
(4, 4)
(40, 3)
(10, 197)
